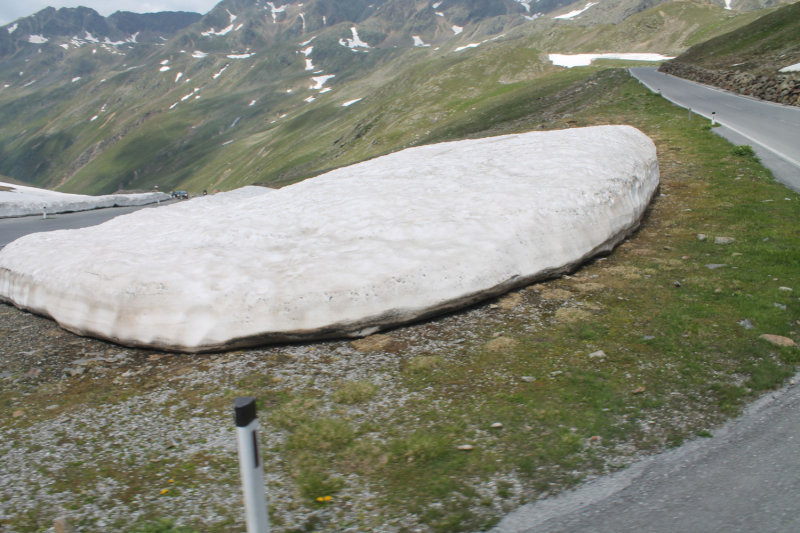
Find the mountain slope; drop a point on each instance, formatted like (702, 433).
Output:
(280, 91)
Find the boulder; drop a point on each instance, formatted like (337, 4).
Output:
(357, 250)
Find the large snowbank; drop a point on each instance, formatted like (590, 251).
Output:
(583, 60)
(20, 201)
(356, 250)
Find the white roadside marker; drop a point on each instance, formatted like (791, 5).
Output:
(255, 501)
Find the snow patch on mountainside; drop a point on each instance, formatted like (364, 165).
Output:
(573, 14)
(418, 41)
(13, 28)
(37, 39)
(359, 249)
(355, 42)
(791, 68)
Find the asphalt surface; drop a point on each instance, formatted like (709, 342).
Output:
(773, 130)
(744, 479)
(12, 229)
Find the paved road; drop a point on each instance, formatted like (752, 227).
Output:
(772, 129)
(12, 229)
(744, 480)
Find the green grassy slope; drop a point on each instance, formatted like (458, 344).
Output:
(761, 47)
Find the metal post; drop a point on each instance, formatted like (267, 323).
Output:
(713, 118)
(255, 501)
(690, 113)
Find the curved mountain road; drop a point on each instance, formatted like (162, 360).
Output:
(743, 480)
(772, 129)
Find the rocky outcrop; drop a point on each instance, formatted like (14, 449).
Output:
(783, 89)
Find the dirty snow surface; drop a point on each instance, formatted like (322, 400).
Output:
(356, 250)
(20, 201)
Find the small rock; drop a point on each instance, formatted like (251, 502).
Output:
(497, 425)
(778, 340)
(648, 337)
(556, 373)
(62, 525)
(686, 257)
(494, 306)
(33, 373)
(17, 414)
(677, 284)
(701, 237)
(466, 447)
(717, 290)
(746, 324)
(599, 354)
(51, 407)
(723, 240)
(787, 289)
(154, 460)
(714, 266)
(638, 391)
(170, 444)
(595, 438)
(498, 334)
(780, 306)
(765, 239)
(670, 248)
(736, 253)
(528, 379)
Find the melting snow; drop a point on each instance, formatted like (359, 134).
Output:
(727, 4)
(113, 43)
(163, 69)
(533, 17)
(218, 74)
(178, 76)
(64, 46)
(37, 39)
(351, 102)
(224, 31)
(241, 56)
(525, 4)
(355, 42)
(577, 12)
(457, 29)
(91, 39)
(75, 79)
(31, 83)
(232, 16)
(307, 51)
(131, 39)
(418, 41)
(582, 60)
(307, 42)
(437, 4)
(475, 45)
(320, 81)
(325, 90)
(239, 27)
(165, 62)
(309, 99)
(173, 105)
(791, 68)
(275, 11)
(93, 118)
(252, 103)
(309, 65)
(12, 28)
(235, 122)
(303, 17)
(227, 143)
(197, 54)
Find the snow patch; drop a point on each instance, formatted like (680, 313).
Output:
(351, 102)
(475, 45)
(92, 39)
(218, 74)
(252, 103)
(575, 13)
(303, 17)
(436, 5)
(791, 68)
(178, 76)
(309, 99)
(532, 17)
(75, 79)
(320, 81)
(241, 56)
(418, 232)
(23, 201)
(37, 39)
(457, 29)
(93, 118)
(439, 14)
(239, 27)
(275, 11)
(418, 41)
(163, 69)
(307, 51)
(224, 31)
(113, 43)
(325, 90)
(197, 54)
(307, 42)
(728, 4)
(582, 60)
(165, 62)
(64, 46)
(13, 28)
(525, 4)
(309, 65)
(131, 39)
(355, 42)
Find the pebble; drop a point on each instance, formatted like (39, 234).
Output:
(466, 447)
(746, 324)
(62, 525)
(677, 284)
(701, 237)
(736, 253)
(714, 266)
(723, 240)
(497, 425)
(765, 239)
(779, 306)
(17, 414)
(638, 390)
(51, 407)
(787, 289)
(528, 379)
(599, 354)
(648, 337)
(718, 290)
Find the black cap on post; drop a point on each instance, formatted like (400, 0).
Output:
(244, 410)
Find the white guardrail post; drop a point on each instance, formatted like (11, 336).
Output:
(713, 118)
(250, 464)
